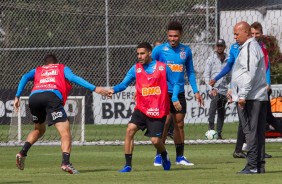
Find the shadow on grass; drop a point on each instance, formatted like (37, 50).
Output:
(277, 171)
(94, 170)
(192, 168)
(15, 182)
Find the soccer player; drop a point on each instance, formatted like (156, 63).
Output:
(250, 94)
(214, 64)
(178, 57)
(152, 102)
(48, 96)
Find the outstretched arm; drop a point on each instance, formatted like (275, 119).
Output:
(82, 82)
(130, 77)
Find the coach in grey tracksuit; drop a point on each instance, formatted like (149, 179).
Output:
(214, 65)
(249, 91)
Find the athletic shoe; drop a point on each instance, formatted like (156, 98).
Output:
(183, 161)
(239, 155)
(20, 161)
(219, 137)
(158, 160)
(267, 155)
(166, 163)
(69, 168)
(126, 168)
(248, 171)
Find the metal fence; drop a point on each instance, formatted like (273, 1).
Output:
(96, 39)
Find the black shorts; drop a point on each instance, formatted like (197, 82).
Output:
(154, 126)
(182, 100)
(47, 104)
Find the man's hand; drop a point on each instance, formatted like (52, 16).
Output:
(110, 93)
(17, 104)
(212, 82)
(177, 106)
(102, 91)
(134, 97)
(213, 92)
(267, 87)
(199, 99)
(242, 103)
(229, 96)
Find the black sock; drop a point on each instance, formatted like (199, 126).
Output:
(25, 149)
(66, 158)
(179, 149)
(164, 154)
(128, 159)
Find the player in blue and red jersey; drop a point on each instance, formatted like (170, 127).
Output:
(49, 94)
(152, 102)
(179, 58)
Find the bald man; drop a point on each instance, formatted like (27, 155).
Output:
(250, 94)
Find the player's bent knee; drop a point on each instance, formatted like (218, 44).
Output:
(155, 140)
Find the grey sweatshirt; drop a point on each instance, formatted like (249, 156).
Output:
(214, 67)
(248, 74)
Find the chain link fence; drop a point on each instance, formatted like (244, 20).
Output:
(96, 39)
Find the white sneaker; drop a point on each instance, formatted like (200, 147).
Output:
(183, 161)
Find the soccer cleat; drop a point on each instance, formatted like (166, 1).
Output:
(183, 161)
(69, 168)
(239, 155)
(166, 163)
(20, 161)
(126, 168)
(158, 160)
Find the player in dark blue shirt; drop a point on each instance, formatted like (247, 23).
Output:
(179, 58)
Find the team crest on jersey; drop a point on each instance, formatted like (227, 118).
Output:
(138, 70)
(161, 68)
(165, 48)
(183, 55)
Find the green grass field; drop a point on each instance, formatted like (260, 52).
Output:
(117, 132)
(100, 164)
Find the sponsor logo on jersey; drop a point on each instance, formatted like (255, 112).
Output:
(34, 118)
(151, 91)
(56, 115)
(161, 68)
(49, 72)
(165, 48)
(176, 67)
(138, 70)
(50, 79)
(153, 112)
(51, 66)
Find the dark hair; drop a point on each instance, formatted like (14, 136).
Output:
(156, 43)
(175, 25)
(257, 26)
(145, 45)
(50, 59)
